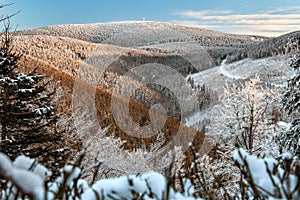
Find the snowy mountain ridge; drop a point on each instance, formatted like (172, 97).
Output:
(139, 33)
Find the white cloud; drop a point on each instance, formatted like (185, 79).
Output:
(272, 22)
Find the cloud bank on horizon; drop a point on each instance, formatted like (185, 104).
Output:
(270, 22)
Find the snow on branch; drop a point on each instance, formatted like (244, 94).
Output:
(264, 178)
(27, 182)
(32, 182)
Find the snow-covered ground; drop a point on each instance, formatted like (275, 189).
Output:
(273, 70)
(226, 73)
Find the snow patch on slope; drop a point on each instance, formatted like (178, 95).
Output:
(226, 73)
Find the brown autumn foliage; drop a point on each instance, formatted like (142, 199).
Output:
(60, 58)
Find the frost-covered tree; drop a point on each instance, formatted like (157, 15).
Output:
(214, 177)
(27, 112)
(245, 119)
(105, 156)
(290, 139)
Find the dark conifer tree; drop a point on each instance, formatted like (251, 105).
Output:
(290, 139)
(27, 112)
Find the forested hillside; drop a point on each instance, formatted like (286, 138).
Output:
(148, 110)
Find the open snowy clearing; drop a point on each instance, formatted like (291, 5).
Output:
(274, 69)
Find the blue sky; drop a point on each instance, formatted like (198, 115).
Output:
(263, 17)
